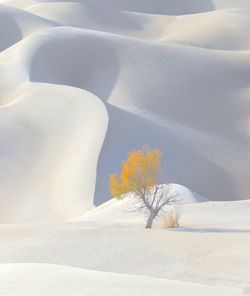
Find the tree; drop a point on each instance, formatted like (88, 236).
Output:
(140, 175)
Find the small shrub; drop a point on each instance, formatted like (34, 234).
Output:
(171, 218)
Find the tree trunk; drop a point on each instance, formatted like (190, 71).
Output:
(150, 221)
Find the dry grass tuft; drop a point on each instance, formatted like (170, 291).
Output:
(171, 219)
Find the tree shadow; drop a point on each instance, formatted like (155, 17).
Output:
(211, 230)
(10, 32)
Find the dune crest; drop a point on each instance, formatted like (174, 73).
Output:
(83, 82)
(157, 80)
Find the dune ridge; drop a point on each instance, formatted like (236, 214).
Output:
(149, 72)
(82, 83)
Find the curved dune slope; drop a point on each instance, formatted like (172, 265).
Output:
(123, 212)
(121, 22)
(83, 82)
(168, 77)
(50, 140)
(180, 95)
(16, 24)
(170, 7)
(19, 4)
(222, 29)
(195, 213)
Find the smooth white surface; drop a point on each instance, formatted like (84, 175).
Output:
(50, 280)
(162, 78)
(210, 248)
(50, 143)
(84, 82)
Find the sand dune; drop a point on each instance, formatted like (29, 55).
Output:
(221, 29)
(170, 7)
(110, 20)
(157, 79)
(124, 214)
(16, 24)
(50, 143)
(195, 212)
(186, 95)
(82, 83)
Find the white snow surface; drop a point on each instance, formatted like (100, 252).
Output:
(82, 83)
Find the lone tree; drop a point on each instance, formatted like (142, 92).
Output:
(140, 176)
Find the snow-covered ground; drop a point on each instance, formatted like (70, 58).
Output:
(82, 82)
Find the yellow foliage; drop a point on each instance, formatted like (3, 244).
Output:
(139, 172)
